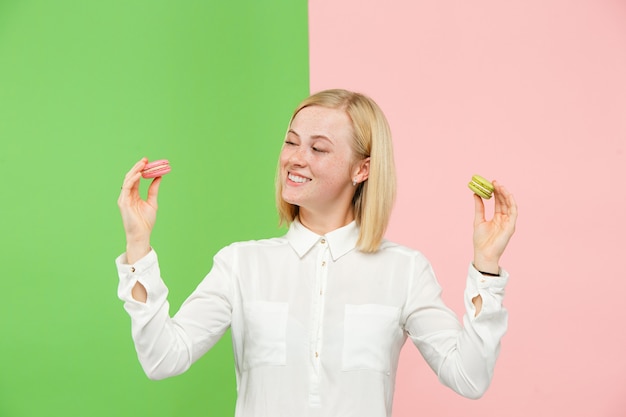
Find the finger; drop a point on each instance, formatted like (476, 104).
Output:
(479, 210)
(504, 198)
(512, 208)
(512, 205)
(499, 198)
(131, 179)
(139, 165)
(153, 192)
(130, 186)
(506, 205)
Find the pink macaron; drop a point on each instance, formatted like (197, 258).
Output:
(156, 169)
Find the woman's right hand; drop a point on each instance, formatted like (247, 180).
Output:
(138, 215)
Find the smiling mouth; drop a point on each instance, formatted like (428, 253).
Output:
(297, 178)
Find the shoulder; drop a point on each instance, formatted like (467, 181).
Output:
(398, 251)
(250, 246)
(388, 246)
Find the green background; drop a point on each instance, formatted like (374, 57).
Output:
(86, 89)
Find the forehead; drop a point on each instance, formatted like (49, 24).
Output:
(322, 121)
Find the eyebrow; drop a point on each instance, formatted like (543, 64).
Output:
(312, 137)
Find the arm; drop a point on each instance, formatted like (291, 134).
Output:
(165, 346)
(491, 237)
(138, 218)
(168, 346)
(462, 356)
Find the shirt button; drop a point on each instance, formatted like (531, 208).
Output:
(317, 355)
(323, 241)
(132, 269)
(323, 263)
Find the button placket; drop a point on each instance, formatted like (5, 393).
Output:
(322, 275)
(317, 318)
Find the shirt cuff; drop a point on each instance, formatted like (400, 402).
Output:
(491, 289)
(145, 270)
(142, 265)
(479, 281)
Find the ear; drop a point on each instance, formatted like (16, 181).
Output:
(362, 170)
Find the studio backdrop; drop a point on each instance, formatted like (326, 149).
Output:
(529, 93)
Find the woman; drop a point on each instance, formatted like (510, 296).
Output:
(318, 317)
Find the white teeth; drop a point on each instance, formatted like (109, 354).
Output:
(296, 178)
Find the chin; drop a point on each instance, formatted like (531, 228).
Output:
(289, 199)
(295, 200)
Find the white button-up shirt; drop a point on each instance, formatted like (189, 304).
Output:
(317, 325)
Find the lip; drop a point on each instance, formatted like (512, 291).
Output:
(295, 174)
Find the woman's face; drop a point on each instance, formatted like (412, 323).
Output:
(317, 163)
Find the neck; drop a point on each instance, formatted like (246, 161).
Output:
(321, 224)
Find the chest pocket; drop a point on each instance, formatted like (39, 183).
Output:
(369, 334)
(265, 334)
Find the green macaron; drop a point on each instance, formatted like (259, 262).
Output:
(481, 187)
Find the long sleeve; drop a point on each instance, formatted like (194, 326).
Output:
(312, 316)
(462, 356)
(168, 346)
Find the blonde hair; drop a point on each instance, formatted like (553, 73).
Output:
(373, 199)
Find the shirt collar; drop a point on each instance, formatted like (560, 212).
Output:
(340, 241)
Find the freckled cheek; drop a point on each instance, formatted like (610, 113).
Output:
(283, 159)
(335, 182)
(341, 172)
(336, 176)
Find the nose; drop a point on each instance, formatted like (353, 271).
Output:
(297, 157)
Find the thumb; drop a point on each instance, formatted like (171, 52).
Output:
(153, 192)
(479, 210)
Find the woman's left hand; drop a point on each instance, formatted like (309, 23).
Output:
(492, 236)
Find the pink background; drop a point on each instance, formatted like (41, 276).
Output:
(533, 94)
